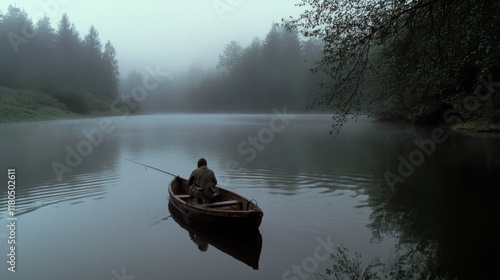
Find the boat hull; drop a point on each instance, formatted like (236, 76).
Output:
(243, 214)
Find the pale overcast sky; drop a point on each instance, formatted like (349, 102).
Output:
(172, 33)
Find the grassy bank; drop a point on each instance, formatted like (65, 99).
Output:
(478, 127)
(24, 105)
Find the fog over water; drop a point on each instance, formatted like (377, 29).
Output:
(87, 87)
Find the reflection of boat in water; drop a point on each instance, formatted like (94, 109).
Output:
(231, 210)
(244, 246)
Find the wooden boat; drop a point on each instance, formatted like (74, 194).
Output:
(245, 247)
(230, 210)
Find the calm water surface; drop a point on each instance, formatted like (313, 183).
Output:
(107, 218)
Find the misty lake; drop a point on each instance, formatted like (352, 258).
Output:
(326, 199)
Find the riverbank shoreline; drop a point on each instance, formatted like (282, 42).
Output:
(20, 105)
(478, 127)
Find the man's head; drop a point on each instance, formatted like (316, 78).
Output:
(202, 162)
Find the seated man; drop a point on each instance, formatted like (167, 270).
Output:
(202, 182)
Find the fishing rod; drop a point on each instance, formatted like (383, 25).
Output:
(152, 167)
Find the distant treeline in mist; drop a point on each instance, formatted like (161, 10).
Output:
(270, 73)
(59, 62)
(83, 74)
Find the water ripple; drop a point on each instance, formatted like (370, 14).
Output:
(335, 181)
(74, 190)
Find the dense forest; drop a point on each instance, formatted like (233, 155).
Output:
(80, 73)
(84, 76)
(269, 73)
(424, 61)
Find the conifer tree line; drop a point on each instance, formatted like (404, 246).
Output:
(268, 73)
(35, 55)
